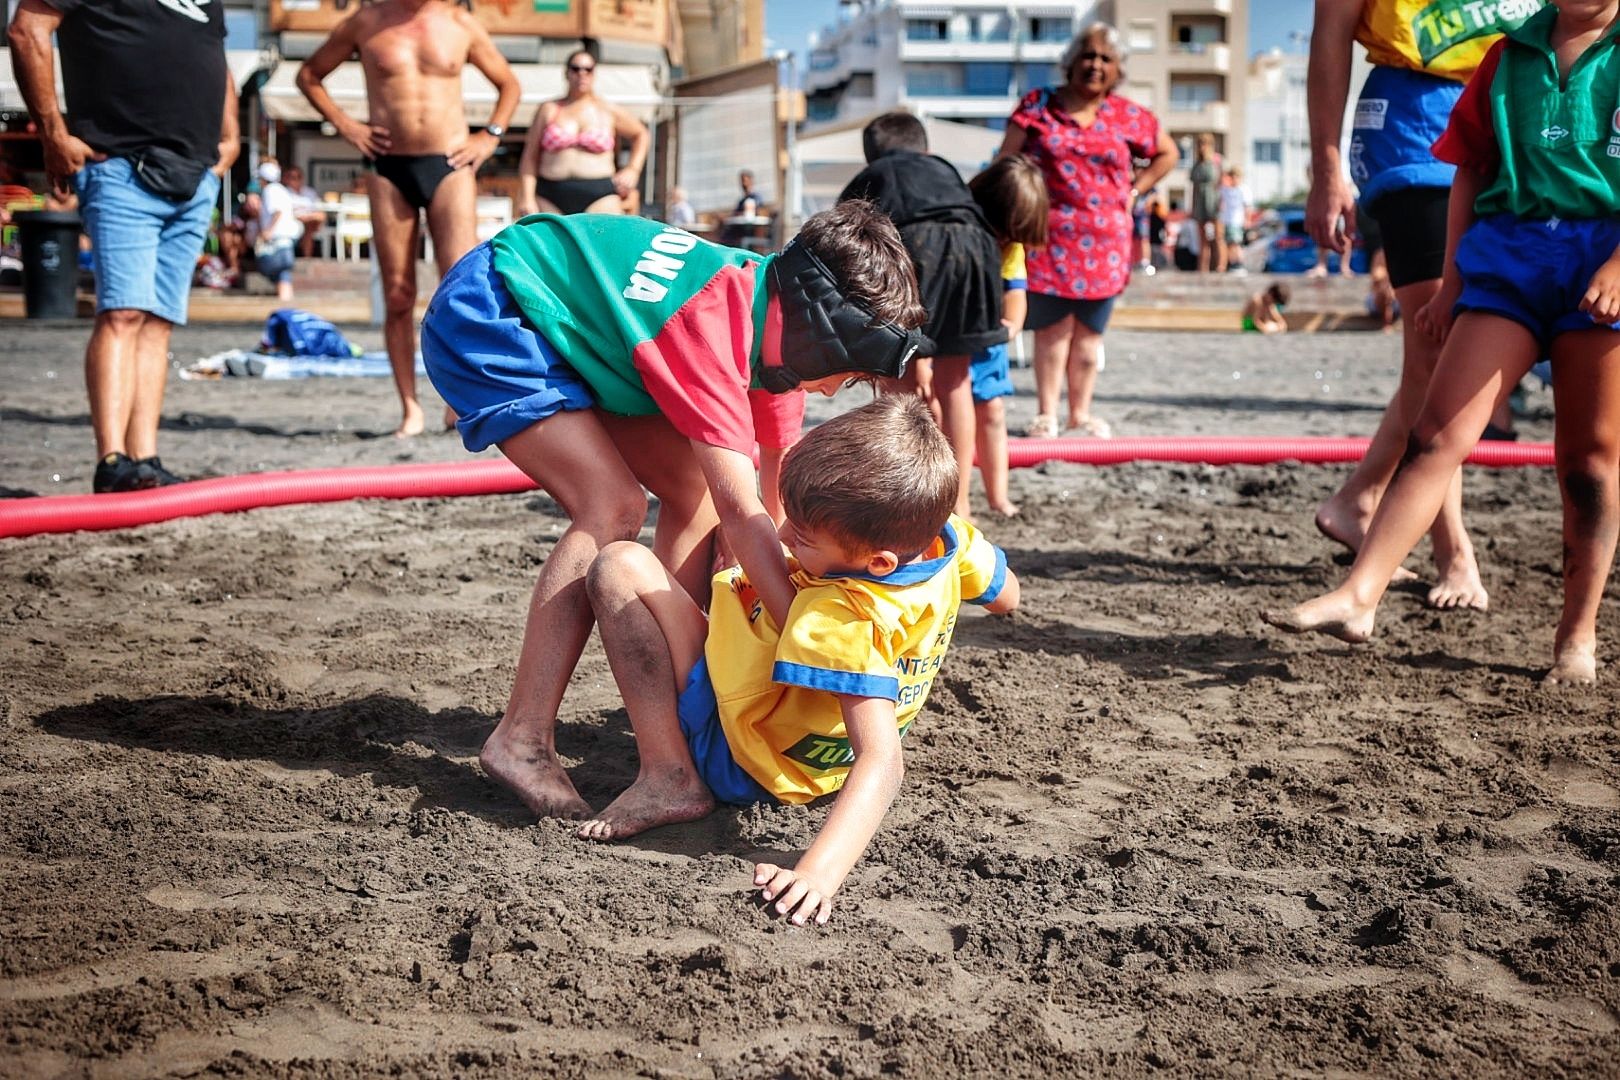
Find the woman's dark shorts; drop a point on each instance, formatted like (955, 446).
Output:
(1045, 311)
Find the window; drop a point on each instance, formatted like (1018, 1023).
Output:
(1188, 95)
(1142, 94)
(1045, 28)
(1267, 152)
(926, 30)
(823, 60)
(860, 85)
(933, 80)
(820, 108)
(241, 28)
(987, 80)
(1139, 37)
(992, 27)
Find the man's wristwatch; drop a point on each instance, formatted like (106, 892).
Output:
(496, 130)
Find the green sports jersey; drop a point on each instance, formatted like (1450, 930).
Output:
(654, 319)
(1551, 145)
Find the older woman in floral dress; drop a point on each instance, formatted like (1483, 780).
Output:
(1086, 140)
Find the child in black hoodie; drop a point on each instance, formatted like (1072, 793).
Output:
(958, 261)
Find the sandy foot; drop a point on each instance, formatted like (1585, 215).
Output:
(535, 775)
(663, 798)
(413, 424)
(1573, 665)
(1325, 615)
(1347, 527)
(1460, 587)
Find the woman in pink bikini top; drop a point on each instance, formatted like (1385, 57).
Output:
(568, 164)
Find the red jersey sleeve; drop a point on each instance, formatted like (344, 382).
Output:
(1469, 140)
(778, 418)
(696, 369)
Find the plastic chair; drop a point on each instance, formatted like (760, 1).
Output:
(353, 224)
(494, 214)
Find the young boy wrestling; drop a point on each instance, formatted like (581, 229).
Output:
(727, 708)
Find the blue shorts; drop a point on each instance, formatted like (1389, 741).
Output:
(700, 723)
(990, 374)
(487, 362)
(1534, 272)
(1045, 310)
(277, 263)
(1398, 117)
(146, 247)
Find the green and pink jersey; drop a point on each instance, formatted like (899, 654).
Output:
(654, 319)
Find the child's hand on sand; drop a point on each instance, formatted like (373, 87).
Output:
(795, 895)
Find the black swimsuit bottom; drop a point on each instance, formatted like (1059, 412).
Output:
(572, 196)
(417, 176)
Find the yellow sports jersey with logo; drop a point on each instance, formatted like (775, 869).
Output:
(1442, 37)
(846, 635)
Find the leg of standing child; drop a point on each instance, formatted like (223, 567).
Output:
(572, 458)
(1345, 515)
(954, 392)
(1484, 358)
(992, 448)
(662, 460)
(1587, 447)
(653, 634)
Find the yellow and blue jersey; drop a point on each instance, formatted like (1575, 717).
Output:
(1447, 38)
(1014, 272)
(854, 634)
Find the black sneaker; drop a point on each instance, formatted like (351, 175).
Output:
(117, 472)
(155, 475)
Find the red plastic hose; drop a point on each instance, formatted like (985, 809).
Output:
(70, 513)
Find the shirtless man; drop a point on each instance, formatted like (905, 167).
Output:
(418, 145)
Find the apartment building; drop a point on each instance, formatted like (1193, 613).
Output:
(1186, 63)
(963, 60)
(971, 60)
(1279, 126)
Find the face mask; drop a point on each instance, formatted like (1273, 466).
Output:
(823, 333)
(270, 172)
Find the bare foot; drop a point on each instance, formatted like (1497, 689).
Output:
(534, 774)
(450, 418)
(413, 423)
(1459, 587)
(663, 798)
(1006, 509)
(1346, 525)
(1573, 665)
(1330, 614)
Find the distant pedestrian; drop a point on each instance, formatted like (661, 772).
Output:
(1205, 176)
(146, 167)
(1234, 214)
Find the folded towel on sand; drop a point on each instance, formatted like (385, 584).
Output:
(242, 363)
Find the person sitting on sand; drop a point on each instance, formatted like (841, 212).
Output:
(1262, 312)
(1532, 265)
(729, 708)
(604, 352)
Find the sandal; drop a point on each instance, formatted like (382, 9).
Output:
(1091, 428)
(1042, 427)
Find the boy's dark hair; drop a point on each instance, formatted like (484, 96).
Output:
(862, 249)
(1012, 194)
(897, 130)
(1279, 294)
(881, 477)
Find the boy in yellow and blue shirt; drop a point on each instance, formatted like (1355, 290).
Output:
(730, 708)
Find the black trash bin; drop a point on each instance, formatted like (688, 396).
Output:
(50, 258)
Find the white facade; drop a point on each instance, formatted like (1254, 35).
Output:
(1277, 162)
(964, 60)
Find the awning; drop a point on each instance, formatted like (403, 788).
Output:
(241, 62)
(630, 86)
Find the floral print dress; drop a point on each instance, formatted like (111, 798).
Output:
(1088, 171)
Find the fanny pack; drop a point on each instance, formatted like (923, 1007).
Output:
(166, 174)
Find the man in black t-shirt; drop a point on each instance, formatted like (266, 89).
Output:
(151, 128)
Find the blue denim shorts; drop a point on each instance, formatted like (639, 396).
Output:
(146, 247)
(277, 263)
(487, 362)
(700, 723)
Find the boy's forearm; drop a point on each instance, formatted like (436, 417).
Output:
(749, 530)
(868, 792)
(1007, 599)
(1460, 214)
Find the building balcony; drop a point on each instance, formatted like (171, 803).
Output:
(1211, 58)
(965, 106)
(1209, 116)
(1006, 50)
(1200, 7)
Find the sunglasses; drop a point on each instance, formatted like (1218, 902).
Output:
(582, 69)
